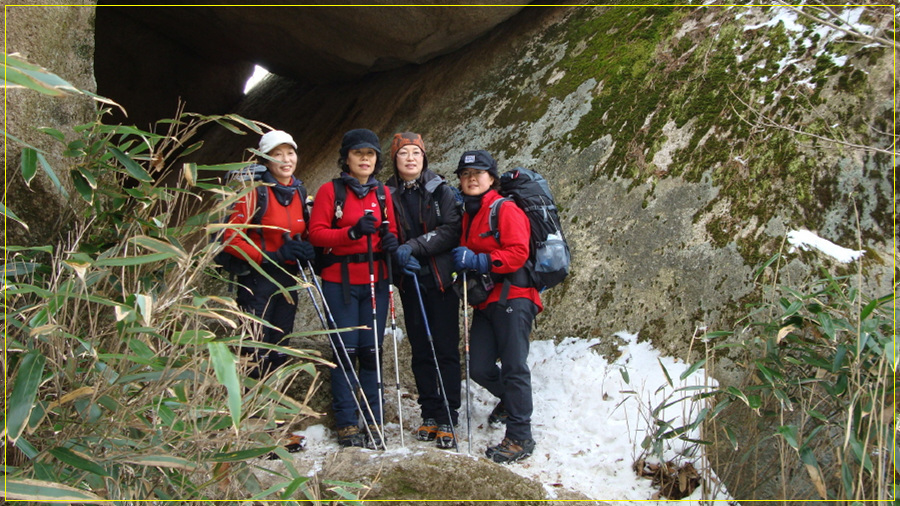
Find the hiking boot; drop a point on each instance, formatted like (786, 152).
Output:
(510, 450)
(428, 430)
(375, 442)
(499, 415)
(351, 436)
(444, 436)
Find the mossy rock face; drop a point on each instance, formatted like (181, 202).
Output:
(652, 126)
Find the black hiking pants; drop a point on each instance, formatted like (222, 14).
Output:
(442, 310)
(502, 332)
(260, 297)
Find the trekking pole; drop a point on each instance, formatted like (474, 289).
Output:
(380, 420)
(436, 365)
(386, 228)
(343, 347)
(466, 347)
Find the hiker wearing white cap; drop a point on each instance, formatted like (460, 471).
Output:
(277, 246)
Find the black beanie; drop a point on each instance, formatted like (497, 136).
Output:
(360, 138)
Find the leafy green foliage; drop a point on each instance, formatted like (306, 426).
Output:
(821, 366)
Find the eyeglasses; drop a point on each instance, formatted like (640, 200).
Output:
(471, 173)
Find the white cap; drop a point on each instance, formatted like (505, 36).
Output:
(273, 139)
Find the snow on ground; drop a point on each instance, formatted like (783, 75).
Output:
(590, 417)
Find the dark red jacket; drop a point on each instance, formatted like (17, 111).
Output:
(277, 220)
(338, 239)
(508, 255)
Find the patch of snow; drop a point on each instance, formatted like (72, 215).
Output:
(590, 417)
(806, 240)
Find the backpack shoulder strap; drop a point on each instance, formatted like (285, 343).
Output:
(262, 204)
(493, 218)
(382, 200)
(304, 196)
(340, 196)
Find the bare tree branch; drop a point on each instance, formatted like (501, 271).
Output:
(764, 121)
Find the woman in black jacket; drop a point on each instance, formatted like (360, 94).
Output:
(428, 219)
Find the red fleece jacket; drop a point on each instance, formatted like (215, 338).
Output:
(507, 256)
(338, 239)
(277, 220)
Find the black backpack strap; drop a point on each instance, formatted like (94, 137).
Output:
(382, 200)
(340, 197)
(301, 190)
(262, 204)
(493, 218)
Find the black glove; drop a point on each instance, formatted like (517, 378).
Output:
(365, 226)
(306, 252)
(389, 243)
(291, 250)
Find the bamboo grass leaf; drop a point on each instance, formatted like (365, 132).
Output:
(789, 433)
(133, 168)
(21, 74)
(24, 392)
(52, 132)
(12, 216)
(246, 122)
(692, 369)
(666, 373)
(39, 490)
(51, 174)
(231, 128)
(195, 337)
(82, 186)
(240, 455)
(78, 461)
(29, 164)
(134, 260)
(224, 364)
(732, 437)
(168, 461)
(815, 473)
(193, 147)
(158, 246)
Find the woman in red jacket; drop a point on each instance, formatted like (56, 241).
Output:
(501, 324)
(271, 246)
(347, 213)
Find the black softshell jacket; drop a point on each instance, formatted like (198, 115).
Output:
(434, 231)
